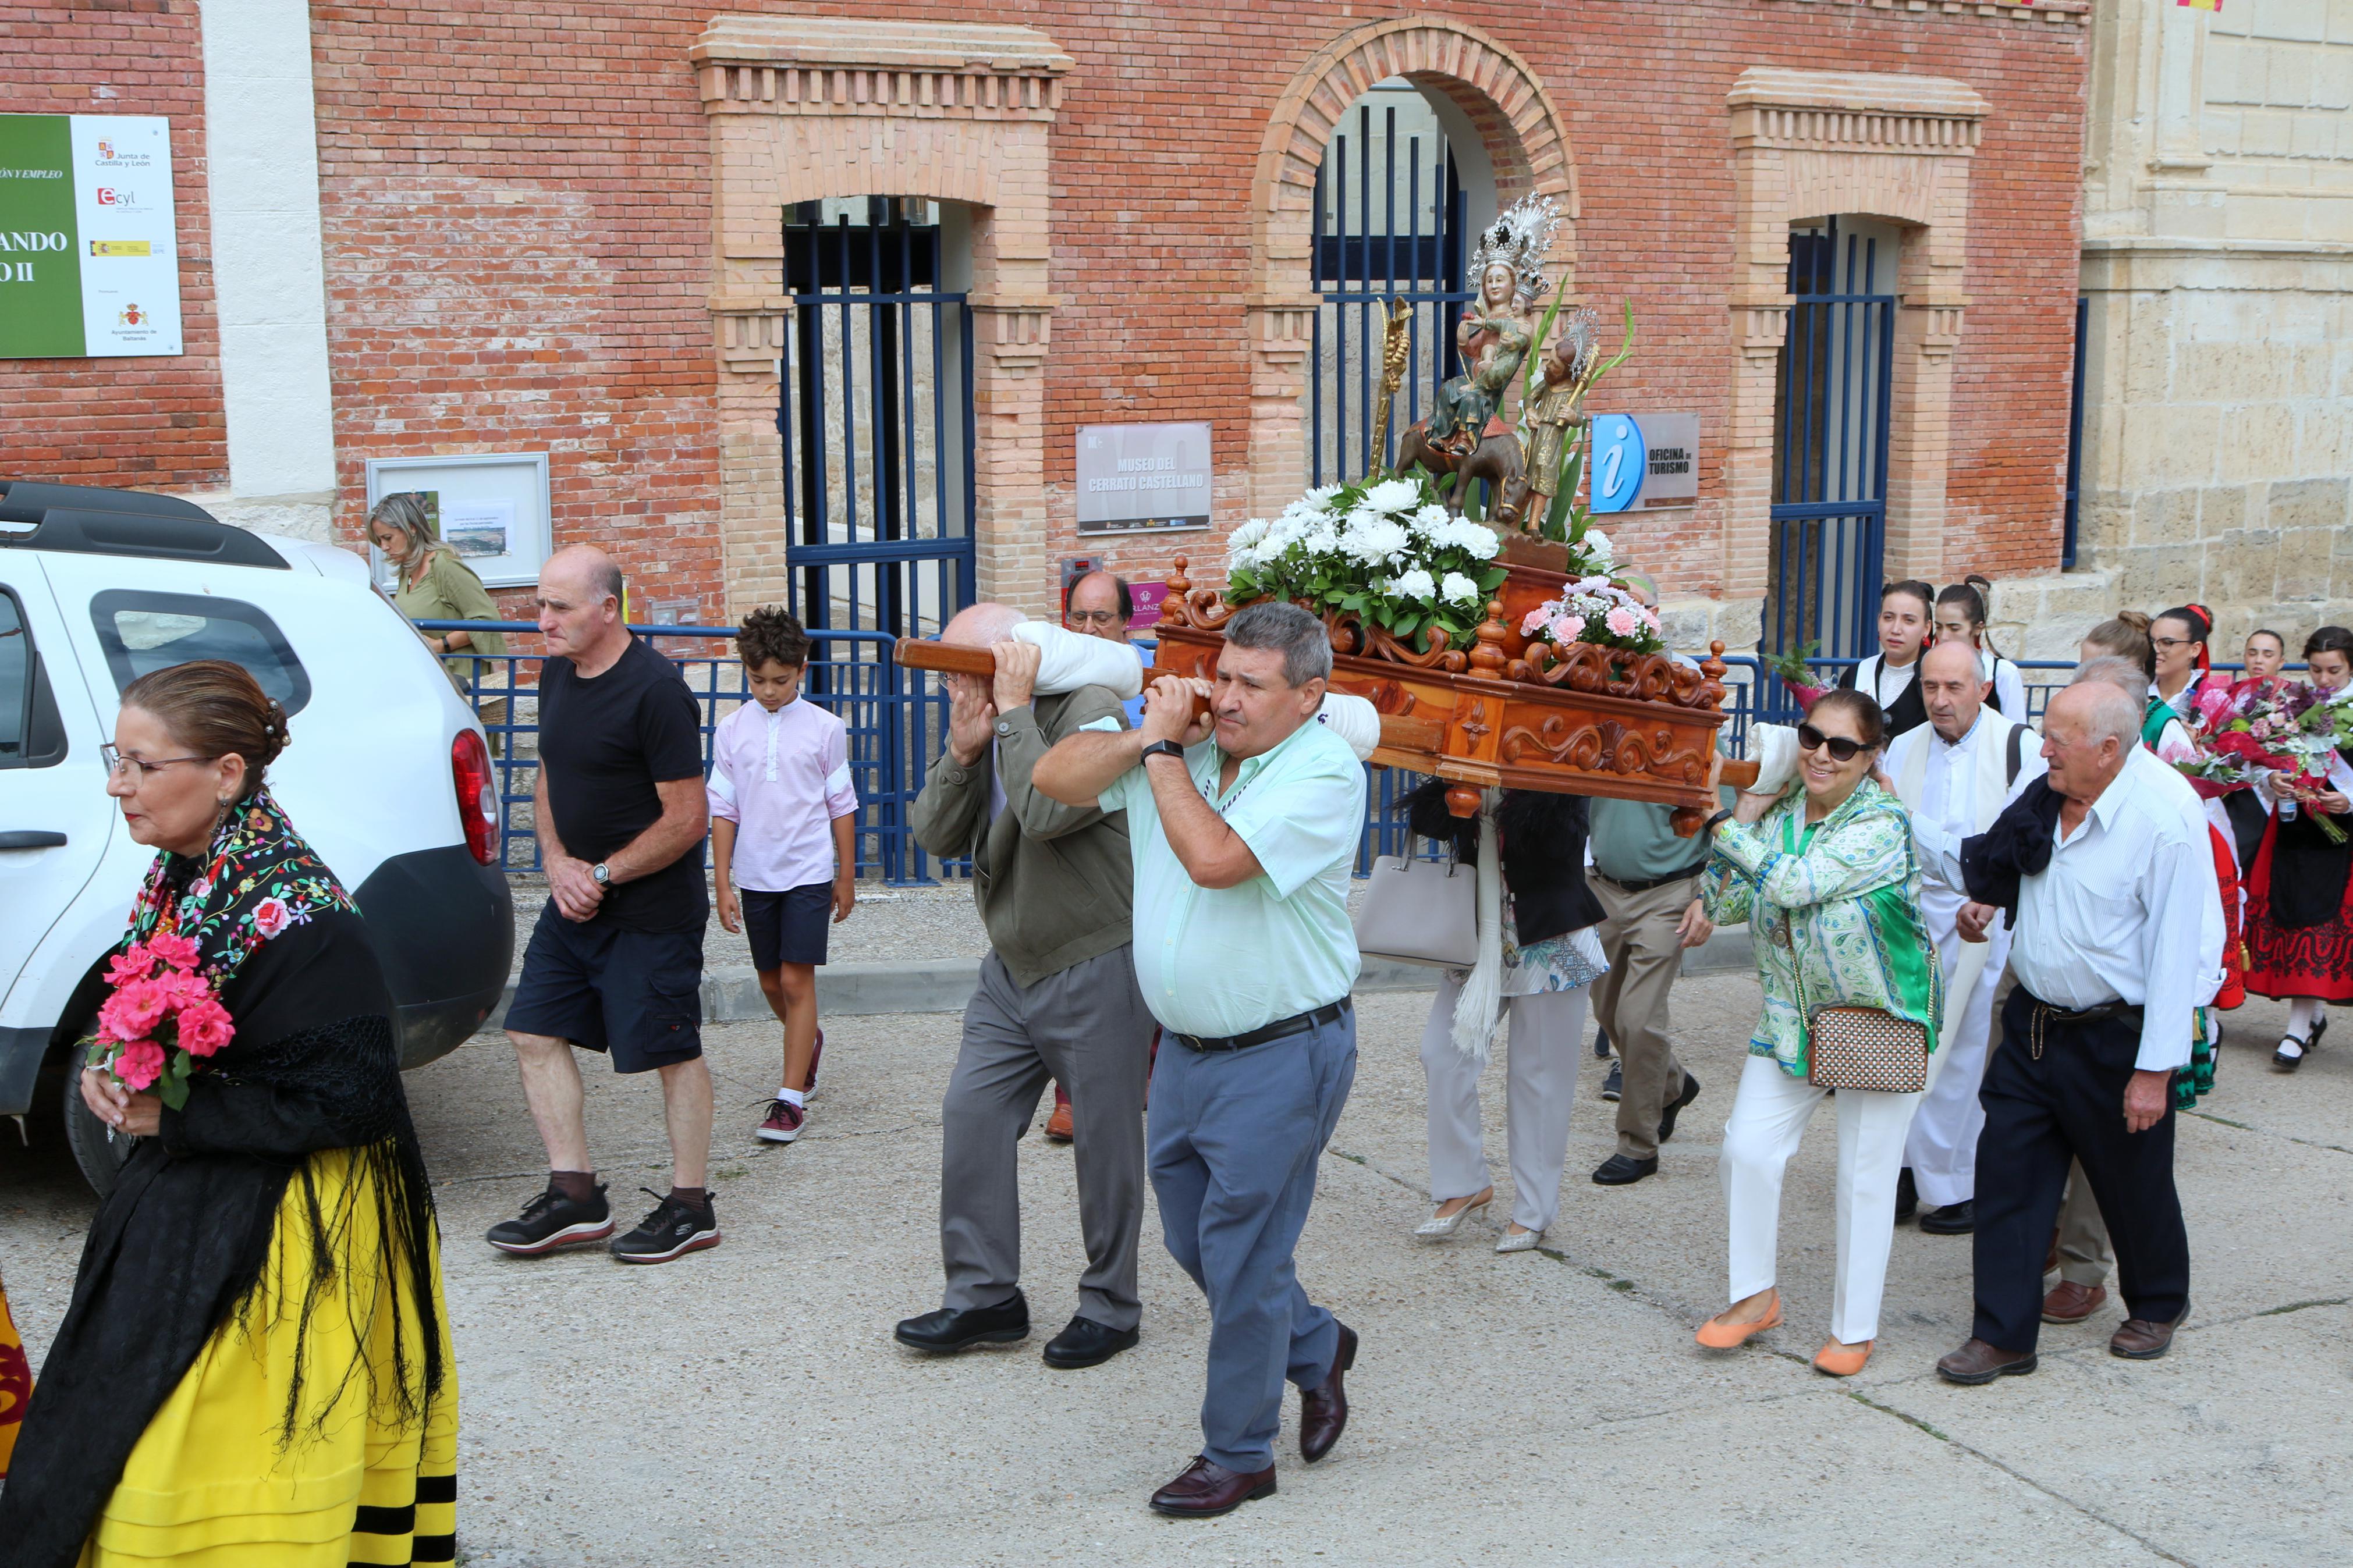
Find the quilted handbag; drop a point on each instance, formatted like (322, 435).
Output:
(1420, 912)
(1867, 1049)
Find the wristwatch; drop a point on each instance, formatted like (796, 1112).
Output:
(602, 873)
(1164, 749)
(1709, 827)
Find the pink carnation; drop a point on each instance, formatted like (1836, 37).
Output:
(132, 1012)
(1623, 622)
(174, 949)
(270, 916)
(1567, 628)
(1534, 619)
(205, 1028)
(139, 1064)
(133, 963)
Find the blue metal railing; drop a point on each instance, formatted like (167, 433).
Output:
(897, 719)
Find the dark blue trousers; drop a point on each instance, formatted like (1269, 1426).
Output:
(1234, 1141)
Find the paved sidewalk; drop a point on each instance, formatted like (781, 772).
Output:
(747, 1406)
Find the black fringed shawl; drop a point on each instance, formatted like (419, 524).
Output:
(181, 1242)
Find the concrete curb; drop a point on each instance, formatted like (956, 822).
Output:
(943, 984)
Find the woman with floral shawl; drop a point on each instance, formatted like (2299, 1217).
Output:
(1825, 877)
(255, 1370)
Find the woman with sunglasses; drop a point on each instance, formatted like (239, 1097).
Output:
(1825, 875)
(1889, 678)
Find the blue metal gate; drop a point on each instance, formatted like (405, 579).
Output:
(876, 414)
(1830, 447)
(1389, 225)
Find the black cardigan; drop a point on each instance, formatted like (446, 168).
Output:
(1909, 711)
(1543, 841)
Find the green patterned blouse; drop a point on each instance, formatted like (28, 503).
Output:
(1834, 912)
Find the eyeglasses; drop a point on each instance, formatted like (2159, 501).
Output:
(2169, 642)
(1092, 618)
(1842, 750)
(117, 764)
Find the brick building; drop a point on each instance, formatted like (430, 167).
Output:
(814, 300)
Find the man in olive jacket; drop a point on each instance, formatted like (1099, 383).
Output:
(1056, 999)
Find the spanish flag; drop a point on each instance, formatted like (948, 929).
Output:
(2200, 4)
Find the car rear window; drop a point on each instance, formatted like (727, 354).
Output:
(143, 632)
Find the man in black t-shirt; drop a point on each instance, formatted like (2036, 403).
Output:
(616, 962)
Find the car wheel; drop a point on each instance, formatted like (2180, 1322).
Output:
(102, 1159)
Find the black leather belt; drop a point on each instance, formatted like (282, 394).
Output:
(1282, 1029)
(2125, 1012)
(1644, 887)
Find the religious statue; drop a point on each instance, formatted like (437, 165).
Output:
(1554, 411)
(1462, 437)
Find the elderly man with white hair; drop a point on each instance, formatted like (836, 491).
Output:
(1057, 998)
(2108, 885)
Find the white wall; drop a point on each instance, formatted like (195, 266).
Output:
(269, 272)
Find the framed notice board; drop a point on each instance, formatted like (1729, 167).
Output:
(492, 507)
(90, 259)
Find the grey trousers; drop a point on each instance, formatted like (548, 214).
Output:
(1087, 1028)
(1637, 937)
(1548, 1034)
(1235, 1137)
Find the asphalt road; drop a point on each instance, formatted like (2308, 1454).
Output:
(747, 1405)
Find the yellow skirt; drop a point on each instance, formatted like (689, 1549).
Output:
(15, 1382)
(214, 1483)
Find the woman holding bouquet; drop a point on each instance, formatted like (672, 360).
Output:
(255, 1368)
(2299, 914)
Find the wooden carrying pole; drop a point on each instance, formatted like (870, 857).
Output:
(1397, 734)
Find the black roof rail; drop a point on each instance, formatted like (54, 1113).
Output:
(83, 520)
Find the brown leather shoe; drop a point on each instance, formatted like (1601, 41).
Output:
(2141, 1339)
(1206, 1490)
(1977, 1362)
(1058, 1126)
(2069, 1302)
(1324, 1409)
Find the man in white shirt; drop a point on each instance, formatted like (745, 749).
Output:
(2111, 957)
(1954, 775)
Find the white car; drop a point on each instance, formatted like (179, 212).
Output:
(387, 773)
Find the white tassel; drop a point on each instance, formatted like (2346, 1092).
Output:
(1478, 1008)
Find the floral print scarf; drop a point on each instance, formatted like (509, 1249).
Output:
(259, 878)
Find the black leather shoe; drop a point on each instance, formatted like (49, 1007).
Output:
(1952, 1219)
(1324, 1409)
(1085, 1343)
(948, 1329)
(1624, 1170)
(1676, 1107)
(1206, 1490)
(1907, 1196)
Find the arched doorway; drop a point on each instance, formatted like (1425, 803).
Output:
(1394, 90)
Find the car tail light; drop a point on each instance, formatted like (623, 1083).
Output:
(477, 794)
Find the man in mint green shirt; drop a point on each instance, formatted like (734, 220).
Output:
(1243, 828)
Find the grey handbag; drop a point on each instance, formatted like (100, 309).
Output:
(1420, 912)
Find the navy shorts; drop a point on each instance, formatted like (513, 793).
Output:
(787, 928)
(636, 994)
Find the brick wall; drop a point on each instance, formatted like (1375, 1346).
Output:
(156, 423)
(517, 205)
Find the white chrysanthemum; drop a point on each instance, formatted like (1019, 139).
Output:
(1457, 588)
(1432, 520)
(1394, 496)
(1321, 537)
(1598, 543)
(1319, 498)
(1241, 545)
(1475, 539)
(1373, 540)
(1415, 584)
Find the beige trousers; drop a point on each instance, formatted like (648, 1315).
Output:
(2084, 1255)
(1637, 937)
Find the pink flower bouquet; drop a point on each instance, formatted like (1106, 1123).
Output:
(1593, 609)
(160, 1020)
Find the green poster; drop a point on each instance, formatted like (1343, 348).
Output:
(40, 269)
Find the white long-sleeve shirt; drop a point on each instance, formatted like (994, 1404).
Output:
(2128, 909)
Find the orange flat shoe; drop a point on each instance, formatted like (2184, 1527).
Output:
(1843, 1360)
(1722, 1336)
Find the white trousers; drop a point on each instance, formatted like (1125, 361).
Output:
(1942, 1147)
(1769, 1116)
(1547, 1033)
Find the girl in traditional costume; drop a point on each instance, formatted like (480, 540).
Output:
(1891, 677)
(255, 1370)
(2300, 891)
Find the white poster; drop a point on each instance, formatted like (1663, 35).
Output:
(122, 215)
(479, 528)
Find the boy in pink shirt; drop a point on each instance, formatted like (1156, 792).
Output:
(781, 846)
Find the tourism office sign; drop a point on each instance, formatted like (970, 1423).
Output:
(89, 260)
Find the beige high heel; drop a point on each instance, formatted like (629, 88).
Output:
(1438, 1228)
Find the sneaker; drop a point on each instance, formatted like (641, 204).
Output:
(672, 1230)
(1601, 1044)
(552, 1220)
(1615, 1082)
(783, 1123)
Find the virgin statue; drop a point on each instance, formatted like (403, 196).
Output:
(1495, 331)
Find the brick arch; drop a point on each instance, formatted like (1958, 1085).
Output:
(1527, 146)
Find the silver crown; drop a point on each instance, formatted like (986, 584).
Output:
(1520, 239)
